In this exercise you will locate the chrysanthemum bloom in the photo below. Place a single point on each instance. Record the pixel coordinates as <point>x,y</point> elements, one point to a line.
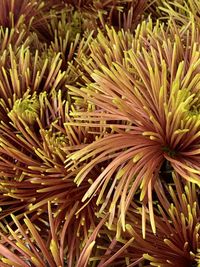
<point>33,150</point>
<point>35,143</point>
<point>22,102</point>
<point>34,140</point>
<point>38,75</point>
<point>39,20</point>
<point>35,174</point>
<point>177,240</point>
<point>33,167</point>
<point>43,241</point>
<point>150,107</point>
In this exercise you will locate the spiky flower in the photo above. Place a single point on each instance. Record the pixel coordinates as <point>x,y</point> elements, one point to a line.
<point>176,242</point>
<point>38,75</point>
<point>149,105</point>
<point>32,166</point>
<point>45,240</point>
<point>26,115</point>
<point>99,133</point>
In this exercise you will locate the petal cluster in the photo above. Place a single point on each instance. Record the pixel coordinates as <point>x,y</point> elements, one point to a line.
<point>99,133</point>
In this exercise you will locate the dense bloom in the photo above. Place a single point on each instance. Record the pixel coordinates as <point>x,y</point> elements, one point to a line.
<point>33,150</point>
<point>45,241</point>
<point>176,242</point>
<point>149,105</point>
<point>99,133</point>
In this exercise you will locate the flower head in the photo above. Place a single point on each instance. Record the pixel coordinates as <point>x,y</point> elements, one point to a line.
<point>45,240</point>
<point>176,242</point>
<point>149,101</point>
